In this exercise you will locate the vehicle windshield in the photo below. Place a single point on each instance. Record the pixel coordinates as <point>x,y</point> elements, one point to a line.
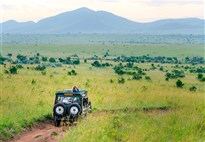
<point>67,100</point>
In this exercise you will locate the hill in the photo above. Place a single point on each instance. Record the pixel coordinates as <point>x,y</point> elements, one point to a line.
<point>84,20</point>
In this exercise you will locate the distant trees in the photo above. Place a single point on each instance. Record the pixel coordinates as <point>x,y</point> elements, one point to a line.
<point>2,59</point>
<point>12,70</point>
<point>98,64</point>
<point>160,59</point>
<point>40,68</point>
<point>52,60</point>
<point>175,74</point>
<point>44,59</point>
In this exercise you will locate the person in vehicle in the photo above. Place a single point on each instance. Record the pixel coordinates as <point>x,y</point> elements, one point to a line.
<point>75,89</point>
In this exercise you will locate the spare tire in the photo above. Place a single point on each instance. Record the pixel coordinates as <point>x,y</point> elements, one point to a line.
<point>59,110</point>
<point>74,109</point>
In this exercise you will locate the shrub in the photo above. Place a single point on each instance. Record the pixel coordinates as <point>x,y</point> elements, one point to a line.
<point>44,59</point>
<point>52,60</point>
<point>200,76</point>
<point>179,84</point>
<point>203,79</point>
<point>33,81</point>
<point>111,81</point>
<point>148,78</point>
<point>6,71</point>
<point>161,68</point>
<point>43,72</point>
<point>19,66</point>
<point>192,88</point>
<point>96,64</point>
<point>40,68</point>
<point>76,61</point>
<point>137,77</point>
<point>21,57</point>
<point>85,60</point>
<point>121,80</point>
<point>72,72</point>
<point>68,60</point>
<point>13,70</point>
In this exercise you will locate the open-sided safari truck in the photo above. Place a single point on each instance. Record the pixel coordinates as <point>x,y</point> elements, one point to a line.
<point>69,105</point>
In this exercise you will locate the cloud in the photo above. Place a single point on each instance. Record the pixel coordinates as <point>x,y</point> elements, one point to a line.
<point>166,2</point>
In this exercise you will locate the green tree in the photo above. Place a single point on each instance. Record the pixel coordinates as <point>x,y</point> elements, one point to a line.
<point>52,60</point>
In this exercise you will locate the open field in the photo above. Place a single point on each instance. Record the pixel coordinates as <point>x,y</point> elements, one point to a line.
<point>24,102</point>
<point>88,50</point>
<point>146,109</point>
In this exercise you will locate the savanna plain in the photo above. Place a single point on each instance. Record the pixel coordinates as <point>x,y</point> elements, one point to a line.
<point>149,91</point>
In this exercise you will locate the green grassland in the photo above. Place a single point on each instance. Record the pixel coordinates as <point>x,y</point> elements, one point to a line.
<point>29,96</point>
<point>88,50</point>
<point>137,110</point>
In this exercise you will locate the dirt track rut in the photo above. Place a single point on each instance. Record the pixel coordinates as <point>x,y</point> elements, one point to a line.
<point>42,132</point>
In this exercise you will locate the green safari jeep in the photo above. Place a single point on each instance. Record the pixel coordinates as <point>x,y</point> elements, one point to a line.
<point>69,105</point>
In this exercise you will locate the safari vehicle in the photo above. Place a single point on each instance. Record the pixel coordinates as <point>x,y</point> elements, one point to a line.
<point>69,105</point>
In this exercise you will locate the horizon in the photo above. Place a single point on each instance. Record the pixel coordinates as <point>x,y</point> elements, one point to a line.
<point>152,10</point>
<point>104,11</point>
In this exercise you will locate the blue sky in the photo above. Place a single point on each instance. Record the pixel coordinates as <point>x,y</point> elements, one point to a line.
<point>136,10</point>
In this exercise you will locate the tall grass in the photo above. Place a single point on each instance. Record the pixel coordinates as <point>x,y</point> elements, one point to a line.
<point>24,101</point>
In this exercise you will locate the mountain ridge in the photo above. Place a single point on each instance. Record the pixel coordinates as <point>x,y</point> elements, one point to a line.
<point>85,20</point>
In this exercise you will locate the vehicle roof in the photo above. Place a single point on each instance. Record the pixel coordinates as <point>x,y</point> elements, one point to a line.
<point>71,92</point>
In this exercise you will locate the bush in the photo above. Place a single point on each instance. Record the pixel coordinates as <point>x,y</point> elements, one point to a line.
<point>192,88</point>
<point>13,70</point>
<point>61,60</point>
<point>96,64</point>
<point>137,77</point>
<point>76,62</point>
<point>33,81</point>
<point>40,68</point>
<point>203,79</point>
<point>52,60</point>
<point>179,84</point>
<point>161,68</point>
<point>121,80</point>
<point>21,57</point>
<point>148,78</point>
<point>43,72</point>
<point>44,59</point>
<point>111,81</point>
<point>6,71</point>
<point>200,76</point>
<point>19,66</point>
<point>72,72</point>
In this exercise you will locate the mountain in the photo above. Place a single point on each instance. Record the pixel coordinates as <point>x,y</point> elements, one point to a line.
<point>84,20</point>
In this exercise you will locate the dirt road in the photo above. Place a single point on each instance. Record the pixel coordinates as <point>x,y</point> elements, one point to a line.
<point>42,132</point>
<point>47,132</point>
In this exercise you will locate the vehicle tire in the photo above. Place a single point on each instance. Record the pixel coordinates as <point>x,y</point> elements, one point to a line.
<point>74,109</point>
<point>59,110</point>
<point>57,123</point>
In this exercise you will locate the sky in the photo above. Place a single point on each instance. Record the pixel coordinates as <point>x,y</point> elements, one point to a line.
<point>135,10</point>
